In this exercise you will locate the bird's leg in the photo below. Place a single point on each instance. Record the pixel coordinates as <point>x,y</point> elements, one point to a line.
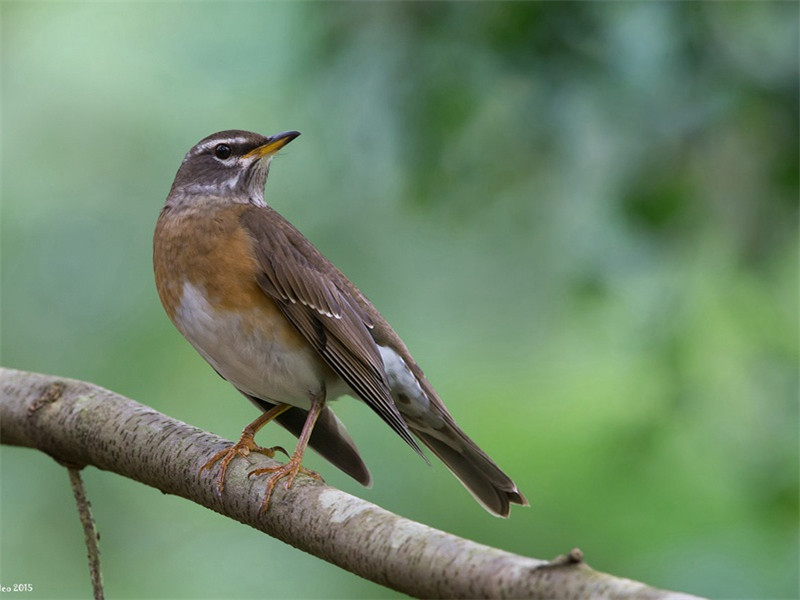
<point>290,470</point>
<point>246,444</point>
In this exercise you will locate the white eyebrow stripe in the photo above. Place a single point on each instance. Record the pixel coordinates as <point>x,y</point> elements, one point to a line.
<point>212,143</point>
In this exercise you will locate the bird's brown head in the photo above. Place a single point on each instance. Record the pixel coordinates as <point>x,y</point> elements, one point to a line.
<point>231,164</point>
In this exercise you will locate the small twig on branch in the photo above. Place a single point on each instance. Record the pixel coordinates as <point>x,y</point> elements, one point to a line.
<point>87,425</point>
<point>89,531</point>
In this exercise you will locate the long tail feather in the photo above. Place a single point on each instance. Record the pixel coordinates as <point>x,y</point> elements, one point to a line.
<point>492,488</point>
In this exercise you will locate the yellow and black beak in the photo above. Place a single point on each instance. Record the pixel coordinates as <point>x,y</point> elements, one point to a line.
<point>272,145</point>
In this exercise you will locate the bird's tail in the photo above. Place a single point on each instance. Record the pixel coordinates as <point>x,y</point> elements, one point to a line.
<point>429,420</point>
<point>488,484</point>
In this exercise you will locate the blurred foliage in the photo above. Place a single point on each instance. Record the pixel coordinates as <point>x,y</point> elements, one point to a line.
<point>581,217</point>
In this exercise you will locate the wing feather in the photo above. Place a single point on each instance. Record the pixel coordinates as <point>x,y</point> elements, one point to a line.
<point>317,300</point>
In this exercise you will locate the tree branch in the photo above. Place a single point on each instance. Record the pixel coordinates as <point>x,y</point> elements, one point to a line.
<point>90,534</point>
<point>81,424</point>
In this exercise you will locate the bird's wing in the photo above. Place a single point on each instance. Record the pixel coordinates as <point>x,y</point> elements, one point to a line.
<point>318,301</point>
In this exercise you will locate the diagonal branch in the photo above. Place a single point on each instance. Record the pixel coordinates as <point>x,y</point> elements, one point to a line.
<point>81,424</point>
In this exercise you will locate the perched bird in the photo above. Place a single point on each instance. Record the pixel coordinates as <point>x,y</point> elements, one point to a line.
<point>287,329</point>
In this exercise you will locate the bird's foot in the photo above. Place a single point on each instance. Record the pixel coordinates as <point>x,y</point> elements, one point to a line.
<point>288,471</point>
<point>243,447</point>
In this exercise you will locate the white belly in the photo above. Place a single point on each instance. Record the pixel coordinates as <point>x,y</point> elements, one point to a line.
<point>253,361</point>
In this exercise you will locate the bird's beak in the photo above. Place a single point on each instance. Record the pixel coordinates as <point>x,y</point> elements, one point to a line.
<point>274,143</point>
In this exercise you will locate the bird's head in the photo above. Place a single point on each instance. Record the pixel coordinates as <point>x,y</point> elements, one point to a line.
<point>232,164</point>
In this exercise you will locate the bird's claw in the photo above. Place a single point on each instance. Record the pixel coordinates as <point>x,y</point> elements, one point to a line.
<point>245,446</point>
<point>288,471</point>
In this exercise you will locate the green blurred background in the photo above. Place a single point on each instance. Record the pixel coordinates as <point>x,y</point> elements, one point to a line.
<point>582,218</point>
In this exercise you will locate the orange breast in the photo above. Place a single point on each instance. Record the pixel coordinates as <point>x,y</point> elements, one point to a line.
<point>209,249</point>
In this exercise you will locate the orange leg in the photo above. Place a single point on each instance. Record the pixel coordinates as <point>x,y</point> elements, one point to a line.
<point>246,444</point>
<point>290,470</point>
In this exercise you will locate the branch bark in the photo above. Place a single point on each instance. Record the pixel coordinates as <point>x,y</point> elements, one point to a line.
<point>80,424</point>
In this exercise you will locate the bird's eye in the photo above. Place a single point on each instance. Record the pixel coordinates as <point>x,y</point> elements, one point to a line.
<point>222,151</point>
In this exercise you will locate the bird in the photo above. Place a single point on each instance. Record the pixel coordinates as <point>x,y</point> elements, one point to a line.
<point>283,325</point>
